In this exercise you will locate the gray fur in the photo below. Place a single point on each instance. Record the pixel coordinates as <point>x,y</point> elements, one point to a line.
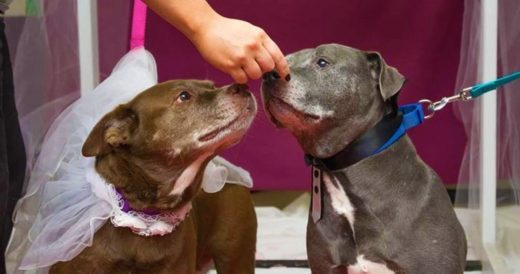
<point>403,215</point>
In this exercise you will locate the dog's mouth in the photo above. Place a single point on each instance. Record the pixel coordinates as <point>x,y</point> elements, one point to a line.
<point>214,133</point>
<point>280,107</point>
<point>236,125</point>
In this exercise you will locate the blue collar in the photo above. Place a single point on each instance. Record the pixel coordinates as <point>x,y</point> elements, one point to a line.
<point>380,137</point>
<point>413,116</point>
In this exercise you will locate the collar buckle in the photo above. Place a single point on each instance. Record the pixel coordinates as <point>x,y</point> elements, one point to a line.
<point>313,161</point>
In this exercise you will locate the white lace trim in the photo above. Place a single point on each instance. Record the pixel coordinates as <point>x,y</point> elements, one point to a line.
<point>217,173</point>
<point>144,224</point>
<point>140,223</point>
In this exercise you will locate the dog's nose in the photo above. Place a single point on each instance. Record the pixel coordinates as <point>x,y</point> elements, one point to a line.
<point>271,76</point>
<point>238,88</point>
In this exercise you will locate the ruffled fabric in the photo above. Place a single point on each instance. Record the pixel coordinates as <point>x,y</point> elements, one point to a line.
<point>140,223</point>
<point>62,210</point>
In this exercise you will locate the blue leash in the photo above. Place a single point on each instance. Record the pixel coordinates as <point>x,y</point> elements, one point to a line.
<point>413,114</point>
<point>479,89</point>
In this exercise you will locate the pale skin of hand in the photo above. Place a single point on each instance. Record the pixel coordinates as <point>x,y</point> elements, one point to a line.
<point>236,47</point>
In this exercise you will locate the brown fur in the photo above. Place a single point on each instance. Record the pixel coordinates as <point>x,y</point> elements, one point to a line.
<point>142,148</point>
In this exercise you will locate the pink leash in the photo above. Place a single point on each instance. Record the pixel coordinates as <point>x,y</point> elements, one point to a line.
<point>137,33</point>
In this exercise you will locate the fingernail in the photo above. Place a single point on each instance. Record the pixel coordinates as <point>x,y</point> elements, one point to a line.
<point>288,78</point>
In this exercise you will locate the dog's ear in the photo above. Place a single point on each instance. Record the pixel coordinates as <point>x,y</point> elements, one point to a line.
<point>390,81</point>
<point>112,131</point>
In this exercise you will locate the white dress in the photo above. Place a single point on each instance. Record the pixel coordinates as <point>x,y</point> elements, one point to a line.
<point>61,211</point>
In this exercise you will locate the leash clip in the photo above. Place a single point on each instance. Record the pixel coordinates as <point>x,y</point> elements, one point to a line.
<point>432,107</point>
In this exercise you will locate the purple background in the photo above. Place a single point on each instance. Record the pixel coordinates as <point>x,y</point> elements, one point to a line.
<point>420,38</point>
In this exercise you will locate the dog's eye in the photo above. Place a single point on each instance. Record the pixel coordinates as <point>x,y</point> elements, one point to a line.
<point>322,63</point>
<point>183,97</point>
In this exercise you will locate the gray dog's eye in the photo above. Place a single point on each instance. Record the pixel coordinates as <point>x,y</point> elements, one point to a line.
<point>322,63</point>
<point>184,96</point>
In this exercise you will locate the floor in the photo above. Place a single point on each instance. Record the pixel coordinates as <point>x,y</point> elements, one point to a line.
<point>282,220</point>
<point>281,270</point>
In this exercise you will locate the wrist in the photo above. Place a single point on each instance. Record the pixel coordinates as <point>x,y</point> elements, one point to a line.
<point>197,26</point>
<point>191,17</point>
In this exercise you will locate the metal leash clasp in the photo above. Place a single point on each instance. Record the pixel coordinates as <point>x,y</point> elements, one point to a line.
<point>432,107</point>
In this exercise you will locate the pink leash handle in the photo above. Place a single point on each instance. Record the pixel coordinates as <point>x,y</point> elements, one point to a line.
<point>137,32</point>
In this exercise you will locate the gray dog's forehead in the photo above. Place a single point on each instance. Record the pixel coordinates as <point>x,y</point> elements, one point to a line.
<point>327,50</point>
<point>335,49</point>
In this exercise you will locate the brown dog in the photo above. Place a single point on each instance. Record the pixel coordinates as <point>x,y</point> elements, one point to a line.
<point>154,149</point>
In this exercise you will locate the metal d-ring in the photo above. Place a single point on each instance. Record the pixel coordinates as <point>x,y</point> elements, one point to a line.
<point>429,107</point>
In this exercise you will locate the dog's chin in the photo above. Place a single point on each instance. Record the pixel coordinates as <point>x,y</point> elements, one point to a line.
<point>272,118</point>
<point>283,114</point>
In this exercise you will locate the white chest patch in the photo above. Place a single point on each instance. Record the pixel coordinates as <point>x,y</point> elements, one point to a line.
<point>188,175</point>
<point>340,201</point>
<point>364,266</point>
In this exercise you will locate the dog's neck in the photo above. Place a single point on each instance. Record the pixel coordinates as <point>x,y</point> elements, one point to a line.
<point>369,176</point>
<point>335,140</point>
<point>336,137</point>
<point>143,190</point>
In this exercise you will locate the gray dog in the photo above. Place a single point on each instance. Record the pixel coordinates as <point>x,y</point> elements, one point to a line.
<point>386,213</point>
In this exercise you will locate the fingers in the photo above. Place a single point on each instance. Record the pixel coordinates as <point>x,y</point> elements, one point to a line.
<point>254,58</point>
<point>252,69</point>
<point>277,57</point>
<point>239,75</point>
<point>264,60</point>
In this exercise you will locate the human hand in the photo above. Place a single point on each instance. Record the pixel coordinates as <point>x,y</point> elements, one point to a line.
<point>239,49</point>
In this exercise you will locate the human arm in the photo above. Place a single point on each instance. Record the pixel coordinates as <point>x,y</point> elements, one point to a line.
<point>235,47</point>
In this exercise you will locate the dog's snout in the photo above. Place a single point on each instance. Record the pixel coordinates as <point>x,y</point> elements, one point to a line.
<point>271,76</point>
<point>238,88</point>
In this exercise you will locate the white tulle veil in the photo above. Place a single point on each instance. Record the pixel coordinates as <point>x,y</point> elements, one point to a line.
<point>59,214</point>
<point>507,247</point>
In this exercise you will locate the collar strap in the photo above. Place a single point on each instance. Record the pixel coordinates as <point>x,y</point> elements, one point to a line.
<point>147,222</point>
<point>378,138</point>
<point>126,207</point>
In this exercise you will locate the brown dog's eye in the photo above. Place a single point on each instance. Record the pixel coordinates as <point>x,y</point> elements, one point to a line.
<point>183,97</point>
<point>322,63</point>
